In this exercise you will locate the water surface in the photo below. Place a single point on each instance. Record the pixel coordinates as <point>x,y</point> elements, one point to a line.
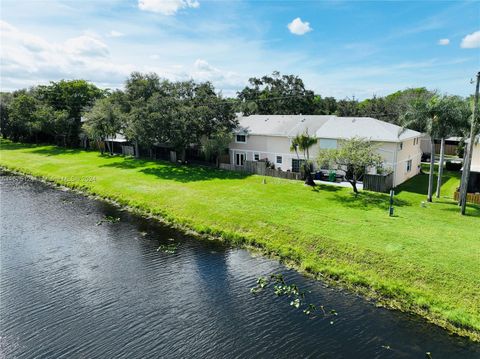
<point>70,288</point>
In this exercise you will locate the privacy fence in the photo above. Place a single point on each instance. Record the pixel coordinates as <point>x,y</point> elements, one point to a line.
<point>378,183</point>
<point>259,168</point>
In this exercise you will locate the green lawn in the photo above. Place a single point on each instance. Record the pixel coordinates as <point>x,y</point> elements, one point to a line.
<point>425,259</point>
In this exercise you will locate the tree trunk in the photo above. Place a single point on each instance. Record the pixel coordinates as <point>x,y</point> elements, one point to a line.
<point>432,168</point>
<point>108,146</point>
<point>440,166</point>
<point>182,155</point>
<point>137,154</point>
<point>354,185</point>
<point>217,161</point>
<point>463,180</point>
<point>309,180</point>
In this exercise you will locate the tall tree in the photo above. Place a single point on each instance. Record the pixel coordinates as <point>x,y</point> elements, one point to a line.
<point>355,155</point>
<point>178,114</point>
<point>453,114</point>
<point>433,116</point>
<point>72,96</point>
<point>104,122</point>
<point>304,142</point>
<point>347,108</point>
<point>216,145</point>
<point>22,122</point>
<point>6,99</point>
<point>474,130</point>
<point>276,95</point>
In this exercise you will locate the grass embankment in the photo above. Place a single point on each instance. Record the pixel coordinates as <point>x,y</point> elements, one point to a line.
<point>426,259</point>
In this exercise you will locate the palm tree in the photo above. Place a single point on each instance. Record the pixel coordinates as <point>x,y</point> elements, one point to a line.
<point>453,115</point>
<point>423,115</point>
<point>294,146</point>
<point>304,142</point>
<point>439,117</point>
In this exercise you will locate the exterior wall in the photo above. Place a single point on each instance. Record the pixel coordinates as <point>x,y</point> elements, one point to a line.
<point>269,147</point>
<point>426,144</point>
<point>409,151</point>
<point>476,158</point>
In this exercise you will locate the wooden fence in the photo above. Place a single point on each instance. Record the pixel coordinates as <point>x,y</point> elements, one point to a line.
<point>449,149</point>
<point>259,168</point>
<point>471,197</point>
<point>378,183</point>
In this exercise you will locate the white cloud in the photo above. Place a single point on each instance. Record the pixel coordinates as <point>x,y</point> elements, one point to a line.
<point>443,42</point>
<point>298,27</point>
<point>114,33</point>
<point>203,71</point>
<point>166,7</point>
<point>86,45</point>
<point>471,41</point>
<point>28,59</point>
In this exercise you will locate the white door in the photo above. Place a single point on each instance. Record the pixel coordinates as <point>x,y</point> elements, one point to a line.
<point>239,159</point>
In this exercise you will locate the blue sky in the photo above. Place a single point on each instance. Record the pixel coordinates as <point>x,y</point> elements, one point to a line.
<point>339,48</point>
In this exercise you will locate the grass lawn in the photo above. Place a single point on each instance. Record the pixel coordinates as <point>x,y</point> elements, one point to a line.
<point>425,259</point>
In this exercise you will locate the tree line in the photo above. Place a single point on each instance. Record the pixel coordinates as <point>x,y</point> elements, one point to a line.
<point>150,110</point>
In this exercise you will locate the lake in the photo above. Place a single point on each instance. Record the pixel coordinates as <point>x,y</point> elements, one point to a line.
<point>78,283</point>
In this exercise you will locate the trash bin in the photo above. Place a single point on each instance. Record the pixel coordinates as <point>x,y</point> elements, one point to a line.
<point>331,176</point>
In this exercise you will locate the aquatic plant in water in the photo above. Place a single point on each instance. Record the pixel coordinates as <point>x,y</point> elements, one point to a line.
<point>167,248</point>
<point>281,288</point>
<point>109,219</point>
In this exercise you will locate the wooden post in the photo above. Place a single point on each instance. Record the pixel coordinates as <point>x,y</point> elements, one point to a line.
<point>390,211</point>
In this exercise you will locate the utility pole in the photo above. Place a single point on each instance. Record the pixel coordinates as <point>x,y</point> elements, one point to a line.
<point>468,158</point>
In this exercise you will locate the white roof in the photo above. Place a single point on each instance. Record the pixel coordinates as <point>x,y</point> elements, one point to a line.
<point>365,127</point>
<point>324,127</point>
<point>281,125</point>
<point>118,138</point>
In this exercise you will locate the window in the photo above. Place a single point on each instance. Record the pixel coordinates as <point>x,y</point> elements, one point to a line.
<point>279,160</point>
<point>241,138</point>
<point>239,159</point>
<point>326,143</point>
<point>401,145</point>
<point>256,156</point>
<point>409,165</point>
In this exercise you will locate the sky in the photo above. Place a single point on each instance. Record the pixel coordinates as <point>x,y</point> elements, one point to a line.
<point>339,48</point>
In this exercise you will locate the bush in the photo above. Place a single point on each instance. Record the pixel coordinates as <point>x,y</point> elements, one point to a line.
<point>453,166</point>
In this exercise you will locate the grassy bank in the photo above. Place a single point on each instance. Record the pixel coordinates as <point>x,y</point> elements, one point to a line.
<point>426,259</point>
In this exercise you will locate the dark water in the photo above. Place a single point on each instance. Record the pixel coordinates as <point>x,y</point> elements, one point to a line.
<point>72,289</point>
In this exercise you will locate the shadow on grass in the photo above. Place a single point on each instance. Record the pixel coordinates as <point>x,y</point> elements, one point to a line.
<point>173,172</point>
<point>472,210</point>
<point>419,183</point>
<point>130,163</point>
<point>55,151</point>
<point>6,145</point>
<point>367,200</point>
<point>326,188</point>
